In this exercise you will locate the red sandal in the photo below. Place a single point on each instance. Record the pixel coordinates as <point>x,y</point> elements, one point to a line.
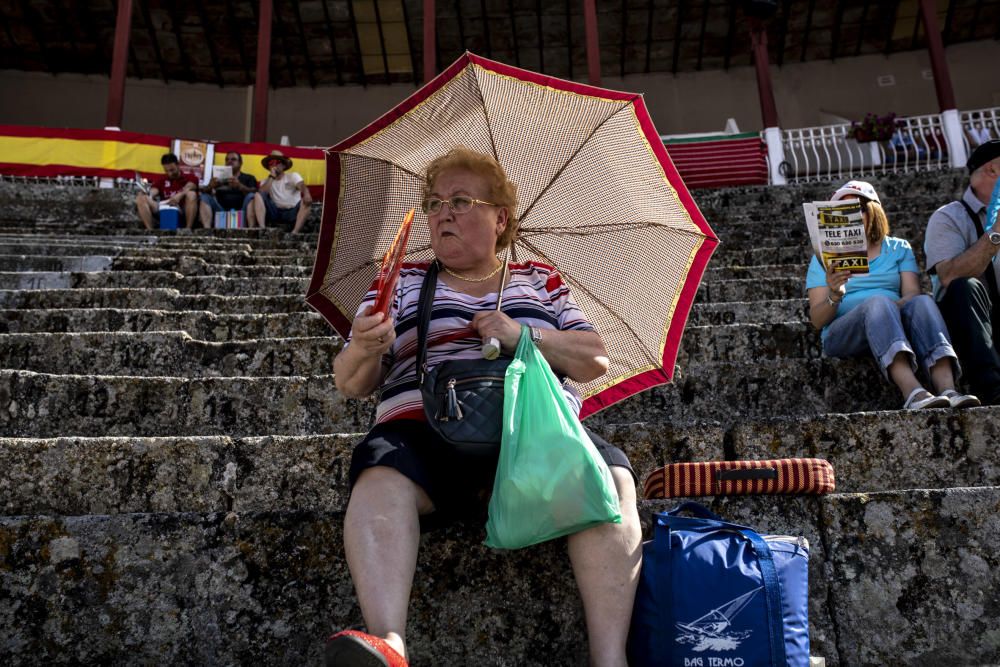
<point>352,648</point>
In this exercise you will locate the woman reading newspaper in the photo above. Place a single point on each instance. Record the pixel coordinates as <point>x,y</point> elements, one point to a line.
<point>883,312</point>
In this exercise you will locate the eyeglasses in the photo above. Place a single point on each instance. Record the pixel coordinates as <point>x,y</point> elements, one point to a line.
<point>458,204</point>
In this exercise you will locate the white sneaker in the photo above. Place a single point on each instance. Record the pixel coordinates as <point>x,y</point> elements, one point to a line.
<point>926,400</point>
<point>957,400</point>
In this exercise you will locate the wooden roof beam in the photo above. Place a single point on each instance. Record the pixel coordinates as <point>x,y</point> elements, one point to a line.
<point>333,43</point>
<point>236,35</point>
<point>808,28</point>
<point>310,70</point>
<point>890,25</point>
<point>861,27</point>
<point>175,20</point>
<point>728,53</point>
<point>701,38</point>
<point>33,20</point>
<point>381,40</point>
<point>837,20</point>
<point>649,35</point>
<point>786,12</point>
<point>357,44</point>
<point>677,36</point>
<point>209,39</point>
<point>513,33</point>
<point>148,20</point>
<point>409,41</point>
<point>541,46</point>
<point>285,48</point>
<point>486,29</point>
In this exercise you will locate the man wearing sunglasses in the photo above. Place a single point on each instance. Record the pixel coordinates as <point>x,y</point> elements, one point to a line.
<point>283,196</point>
<point>235,194</point>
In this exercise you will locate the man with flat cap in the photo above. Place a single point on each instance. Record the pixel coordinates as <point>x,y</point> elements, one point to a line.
<point>962,257</point>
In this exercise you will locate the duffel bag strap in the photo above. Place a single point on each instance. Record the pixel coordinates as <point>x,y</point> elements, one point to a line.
<point>772,596</point>
<point>769,577</point>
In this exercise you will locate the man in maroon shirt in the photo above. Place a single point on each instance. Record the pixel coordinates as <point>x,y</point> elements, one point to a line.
<point>175,188</point>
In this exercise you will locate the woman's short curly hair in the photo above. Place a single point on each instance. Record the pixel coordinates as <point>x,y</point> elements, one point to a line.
<point>500,190</point>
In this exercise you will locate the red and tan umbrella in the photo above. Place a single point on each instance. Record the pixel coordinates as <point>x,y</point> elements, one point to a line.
<point>598,198</point>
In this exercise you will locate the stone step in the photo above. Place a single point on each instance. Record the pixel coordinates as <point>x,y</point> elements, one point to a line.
<point>166,353</point>
<point>201,324</point>
<point>46,405</point>
<point>151,298</point>
<point>49,405</point>
<point>749,312</point>
<point>112,475</point>
<point>77,263</point>
<point>227,254</point>
<point>732,392</point>
<point>196,266</point>
<point>748,343</point>
<point>212,588</point>
<point>752,289</point>
<point>155,279</point>
<point>217,239</point>
<point>747,289</point>
<point>716,274</point>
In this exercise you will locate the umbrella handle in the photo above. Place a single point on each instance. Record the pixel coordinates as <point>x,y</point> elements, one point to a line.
<point>491,348</point>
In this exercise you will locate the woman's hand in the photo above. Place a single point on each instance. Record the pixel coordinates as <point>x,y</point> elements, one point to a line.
<point>837,282</point>
<point>494,323</point>
<point>373,333</point>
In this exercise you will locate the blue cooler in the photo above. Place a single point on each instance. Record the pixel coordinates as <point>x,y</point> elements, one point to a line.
<point>170,216</point>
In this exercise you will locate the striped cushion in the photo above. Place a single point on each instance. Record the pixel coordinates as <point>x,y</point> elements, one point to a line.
<point>734,478</point>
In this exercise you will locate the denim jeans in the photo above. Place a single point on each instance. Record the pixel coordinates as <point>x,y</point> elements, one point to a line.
<point>216,207</point>
<point>881,327</point>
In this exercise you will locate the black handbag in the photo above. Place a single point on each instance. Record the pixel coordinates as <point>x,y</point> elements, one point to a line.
<point>463,398</point>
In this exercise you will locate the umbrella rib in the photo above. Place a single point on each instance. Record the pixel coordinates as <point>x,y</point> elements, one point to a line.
<point>578,285</point>
<point>486,113</point>
<point>585,230</point>
<point>383,160</point>
<point>565,164</point>
<point>350,272</point>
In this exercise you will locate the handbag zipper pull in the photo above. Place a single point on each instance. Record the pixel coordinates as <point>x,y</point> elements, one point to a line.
<point>454,409</point>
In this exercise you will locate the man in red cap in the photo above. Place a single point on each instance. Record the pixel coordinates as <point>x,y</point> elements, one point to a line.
<point>283,196</point>
<point>962,249</point>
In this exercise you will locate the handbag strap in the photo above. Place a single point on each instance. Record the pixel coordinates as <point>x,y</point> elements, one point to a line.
<point>768,572</point>
<point>991,276</point>
<point>426,306</point>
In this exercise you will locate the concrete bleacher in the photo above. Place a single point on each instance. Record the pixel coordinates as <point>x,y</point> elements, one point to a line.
<point>173,455</point>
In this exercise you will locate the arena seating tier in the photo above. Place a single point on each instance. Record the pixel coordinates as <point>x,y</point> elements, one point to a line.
<point>173,454</point>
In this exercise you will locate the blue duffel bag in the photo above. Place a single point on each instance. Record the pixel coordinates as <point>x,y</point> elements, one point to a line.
<point>716,594</point>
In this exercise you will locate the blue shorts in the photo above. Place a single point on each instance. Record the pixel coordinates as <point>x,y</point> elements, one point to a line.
<point>275,214</point>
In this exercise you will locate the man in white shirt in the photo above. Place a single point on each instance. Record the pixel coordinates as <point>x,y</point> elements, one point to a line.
<point>283,196</point>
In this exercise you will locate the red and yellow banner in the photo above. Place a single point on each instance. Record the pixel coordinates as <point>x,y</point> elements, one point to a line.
<point>44,151</point>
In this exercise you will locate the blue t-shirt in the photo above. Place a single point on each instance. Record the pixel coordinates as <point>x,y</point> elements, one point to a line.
<point>883,278</point>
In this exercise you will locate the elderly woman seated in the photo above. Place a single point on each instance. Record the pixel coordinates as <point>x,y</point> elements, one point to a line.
<point>404,477</point>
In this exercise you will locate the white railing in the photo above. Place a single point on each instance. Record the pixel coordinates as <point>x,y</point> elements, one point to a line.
<point>830,152</point>
<point>979,126</point>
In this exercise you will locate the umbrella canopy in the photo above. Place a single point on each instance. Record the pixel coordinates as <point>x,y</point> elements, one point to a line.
<point>598,198</point>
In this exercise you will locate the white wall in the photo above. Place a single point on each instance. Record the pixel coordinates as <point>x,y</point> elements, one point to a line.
<point>687,102</point>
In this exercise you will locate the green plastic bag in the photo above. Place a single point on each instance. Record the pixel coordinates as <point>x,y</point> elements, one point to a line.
<point>551,480</point>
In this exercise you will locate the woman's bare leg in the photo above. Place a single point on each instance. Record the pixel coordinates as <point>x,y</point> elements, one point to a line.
<point>606,561</point>
<point>381,537</point>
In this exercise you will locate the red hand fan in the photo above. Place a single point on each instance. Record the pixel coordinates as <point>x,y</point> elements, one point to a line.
<point>391,264</point>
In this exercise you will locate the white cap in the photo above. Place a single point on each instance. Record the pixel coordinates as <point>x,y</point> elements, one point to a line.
<point>857,188</point>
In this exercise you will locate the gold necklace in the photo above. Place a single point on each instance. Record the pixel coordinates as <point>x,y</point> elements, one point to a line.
<point>473,280</point>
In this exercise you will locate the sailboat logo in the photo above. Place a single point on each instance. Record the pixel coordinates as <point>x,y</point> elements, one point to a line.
<point>713,630</point>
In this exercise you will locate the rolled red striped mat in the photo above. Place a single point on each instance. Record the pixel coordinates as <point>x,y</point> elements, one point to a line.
<point>735,478</point>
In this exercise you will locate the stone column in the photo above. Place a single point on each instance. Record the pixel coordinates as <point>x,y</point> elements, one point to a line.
<point>119,65</point>
<point>768,109</point>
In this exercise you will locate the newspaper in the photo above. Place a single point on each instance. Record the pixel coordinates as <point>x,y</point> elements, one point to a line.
<point>222,173</point>
<point>837,232</point>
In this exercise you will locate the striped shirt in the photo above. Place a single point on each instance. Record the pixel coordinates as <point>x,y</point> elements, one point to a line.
<point>535,295</point>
